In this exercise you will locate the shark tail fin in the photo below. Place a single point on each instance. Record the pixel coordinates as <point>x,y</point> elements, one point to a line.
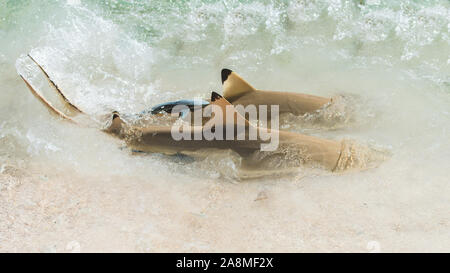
<point>233,85</point>
<point>66,101</point>
<point>45,102</point>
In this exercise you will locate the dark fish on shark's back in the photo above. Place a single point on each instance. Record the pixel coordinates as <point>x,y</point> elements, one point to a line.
<point>168,107</point>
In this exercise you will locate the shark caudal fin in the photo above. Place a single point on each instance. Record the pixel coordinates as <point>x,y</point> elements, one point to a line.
<point>67,103</point>
<point>233,85</point>
<point>66,110</point>
<point>45,102</point>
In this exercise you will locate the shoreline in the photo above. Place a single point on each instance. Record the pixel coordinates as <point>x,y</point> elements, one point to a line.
<point>69,212</point>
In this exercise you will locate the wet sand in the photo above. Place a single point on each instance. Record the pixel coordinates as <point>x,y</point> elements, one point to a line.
<point>64,211</point>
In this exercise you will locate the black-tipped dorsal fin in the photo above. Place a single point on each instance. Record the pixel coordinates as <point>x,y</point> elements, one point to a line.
<point>223,103</point>
<point>116,124</point>
<point>215,96</point>
<point>233,85</point>
<point>225,73</point>
<point>115,115</point>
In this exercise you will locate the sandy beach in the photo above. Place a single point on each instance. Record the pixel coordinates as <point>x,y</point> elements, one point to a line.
<point>66,188</point>
<point>63,211</point>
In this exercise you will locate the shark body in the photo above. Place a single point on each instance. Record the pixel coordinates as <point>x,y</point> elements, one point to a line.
<point>301,148</point>
<point>239,92</point>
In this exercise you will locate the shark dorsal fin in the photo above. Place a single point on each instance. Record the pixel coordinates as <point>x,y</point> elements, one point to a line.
<point>115,125</point>
<point>215,96</point>
<point>224,104</point>
<point>233,85</point>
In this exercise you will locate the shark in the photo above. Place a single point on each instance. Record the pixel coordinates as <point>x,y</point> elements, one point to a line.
<point>298,149</point>
<point>239,92</point>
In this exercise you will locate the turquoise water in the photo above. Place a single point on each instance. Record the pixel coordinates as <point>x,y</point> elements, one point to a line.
<point>130,55</point>
<point>390,58</point>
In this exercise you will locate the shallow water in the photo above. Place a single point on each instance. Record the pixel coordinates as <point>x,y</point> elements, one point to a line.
<point>390,60</point>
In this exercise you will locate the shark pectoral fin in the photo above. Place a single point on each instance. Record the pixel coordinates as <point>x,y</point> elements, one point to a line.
<point>234,86</point>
